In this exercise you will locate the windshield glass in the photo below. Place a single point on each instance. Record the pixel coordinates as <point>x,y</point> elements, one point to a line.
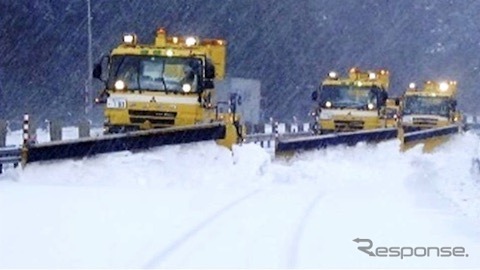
<point>426,105</point>
<point>345,96</point>
<point>155,73</point>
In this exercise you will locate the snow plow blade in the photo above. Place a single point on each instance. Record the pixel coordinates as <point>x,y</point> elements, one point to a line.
<point>137,140</point>
<point>430,138</point>
<point>289,146</point>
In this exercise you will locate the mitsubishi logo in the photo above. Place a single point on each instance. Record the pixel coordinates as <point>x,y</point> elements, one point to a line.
<point>153,99</point>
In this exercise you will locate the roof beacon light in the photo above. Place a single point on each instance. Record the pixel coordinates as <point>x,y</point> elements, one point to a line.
<point>333,75</point>
<point>129,39</point>
<point>412,85</point>
<point>443,86</point>
<point>190,41</point>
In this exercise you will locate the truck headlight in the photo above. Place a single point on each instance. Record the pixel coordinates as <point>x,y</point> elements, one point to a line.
<point>370,106</point>
<point>186,87</point>
<point>116,103</point>
<point>119,85</point>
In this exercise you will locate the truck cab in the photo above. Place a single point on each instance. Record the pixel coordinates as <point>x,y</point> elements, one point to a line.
<point>433,106</point>
<point>167,83</point>
<point>355,102</point>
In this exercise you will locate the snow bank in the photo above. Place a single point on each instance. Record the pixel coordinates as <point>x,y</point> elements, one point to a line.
<point>201,205</point>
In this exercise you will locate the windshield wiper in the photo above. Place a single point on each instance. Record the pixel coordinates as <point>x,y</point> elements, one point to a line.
<point>163,79</point>
<point>138,77</point>
<point>164,84</point>
<point>119,65</point>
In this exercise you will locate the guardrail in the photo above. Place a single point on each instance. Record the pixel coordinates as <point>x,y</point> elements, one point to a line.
<point>267,134</point>
<point>10,155</point>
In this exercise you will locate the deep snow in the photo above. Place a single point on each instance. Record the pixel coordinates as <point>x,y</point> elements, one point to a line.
<point>200,205</point>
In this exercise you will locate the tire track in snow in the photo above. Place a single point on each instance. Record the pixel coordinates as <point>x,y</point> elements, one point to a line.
<point>292,254</point>
<point>162,255</point>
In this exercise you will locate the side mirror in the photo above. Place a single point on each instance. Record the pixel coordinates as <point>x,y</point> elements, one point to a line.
<point>208,84</point>
<point>98,68</point>
<point>314,95</point>
<point>235,99</point>
<point>97,71</point>
<point>102,98</point>
<point>383,98</point>
<point>454,103</point>
<point>209,70</point>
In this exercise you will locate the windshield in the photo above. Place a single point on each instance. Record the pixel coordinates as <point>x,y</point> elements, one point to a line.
<point>427,105</point>
<point>155,73</point>
<point>345,96</point>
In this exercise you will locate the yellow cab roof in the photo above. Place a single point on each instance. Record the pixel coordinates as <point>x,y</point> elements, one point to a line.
<point>434,89</point>
<point>176,46</point>
<point>359,78</point>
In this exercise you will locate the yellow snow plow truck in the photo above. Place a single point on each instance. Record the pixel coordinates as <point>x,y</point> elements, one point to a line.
<point>348,111</point>
<point>167,84</point>
<point>429,115</point>
<point>352,103</point>
<point>155,94</point>
<point>433,106</point>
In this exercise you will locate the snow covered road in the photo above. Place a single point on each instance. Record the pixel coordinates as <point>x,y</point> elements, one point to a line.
<point>198,206</point>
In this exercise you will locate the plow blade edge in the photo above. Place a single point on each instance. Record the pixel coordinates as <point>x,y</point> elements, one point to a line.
<point>121,142</point>
<point>431,138</point>
<point>324,141</point>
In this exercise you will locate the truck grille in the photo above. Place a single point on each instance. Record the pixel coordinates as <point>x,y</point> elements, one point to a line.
<point>421,121</point>
<point>348,125</point>
<point>158,118</point>
<point>152,113</point>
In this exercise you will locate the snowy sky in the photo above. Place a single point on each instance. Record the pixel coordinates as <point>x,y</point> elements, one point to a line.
<point>290,46</point>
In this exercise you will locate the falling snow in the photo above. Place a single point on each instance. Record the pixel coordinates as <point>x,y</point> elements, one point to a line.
<point>288,45</point>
